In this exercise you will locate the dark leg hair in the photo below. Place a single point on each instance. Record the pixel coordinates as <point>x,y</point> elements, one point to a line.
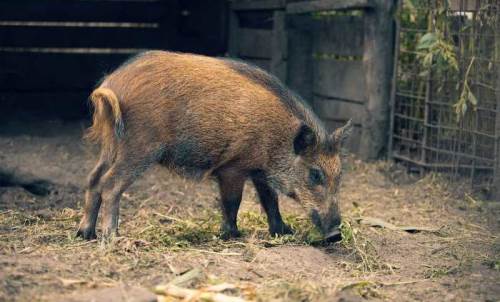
<point>269,201</point>
<point>231,189</point>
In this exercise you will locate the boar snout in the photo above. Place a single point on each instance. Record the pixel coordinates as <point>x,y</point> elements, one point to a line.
<point>327,222</point>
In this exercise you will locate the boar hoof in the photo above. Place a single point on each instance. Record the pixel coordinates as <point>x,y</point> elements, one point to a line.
<point>229,233</point>
<point>281,230</point>
<point>86,233</point>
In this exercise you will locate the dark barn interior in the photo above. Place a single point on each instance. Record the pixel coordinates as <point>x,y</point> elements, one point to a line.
<point>52,53</point>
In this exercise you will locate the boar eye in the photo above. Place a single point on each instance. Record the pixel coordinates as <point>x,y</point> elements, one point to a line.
<point>316,177</point>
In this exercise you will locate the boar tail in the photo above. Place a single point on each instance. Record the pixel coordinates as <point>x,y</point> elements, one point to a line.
<point>107,122</point>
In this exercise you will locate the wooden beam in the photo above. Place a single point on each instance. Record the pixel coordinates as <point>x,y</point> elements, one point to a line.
<point>234,34</point>
<point>279,45</point>
<point>331,37</point>
<point>392,101</point>
<point>340,80</point>
<point>496,174</point>
<point>299,57</point>
<point>255,43</point>
<point>377,61</point>
<point>258,4</point>
<point>325,5</point>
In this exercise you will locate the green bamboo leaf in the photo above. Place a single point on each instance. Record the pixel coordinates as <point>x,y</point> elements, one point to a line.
<point>472,99</point>
<point>427,61</point>
<point>427,41</point>
<point>409,4</point>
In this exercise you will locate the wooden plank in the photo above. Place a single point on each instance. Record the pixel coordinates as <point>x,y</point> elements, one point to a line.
<point>255,43</point>
<point>377,62</point>
<point>202,26</point>
<point>258,4</point>
<point>340,79</point>
<point>233,35</point>
<point>279,46</point>
<point>325,5</point>
<point>299,66</point>
<point>258,19</point>
<point>54,71</point>
<point>71,10</point>
<point>303,23</point>
<point>341,35</point>
<point>496,171</point>
<point>338,110</point>
<point>105,37</point>
<point>394,80</point>
<point>352,143</point>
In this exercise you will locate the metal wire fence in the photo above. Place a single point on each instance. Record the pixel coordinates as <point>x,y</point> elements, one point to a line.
<point>446,108</point>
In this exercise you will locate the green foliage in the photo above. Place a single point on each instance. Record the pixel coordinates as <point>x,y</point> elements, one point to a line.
<point>466,96</point>
<point>436,54</point>
<point>430,44</point>
<point>335,13</point>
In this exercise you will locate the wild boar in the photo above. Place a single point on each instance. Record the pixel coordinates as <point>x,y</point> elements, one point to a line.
<point>202,116</point>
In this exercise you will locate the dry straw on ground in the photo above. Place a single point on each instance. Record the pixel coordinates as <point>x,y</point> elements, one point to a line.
<point>170,226</point>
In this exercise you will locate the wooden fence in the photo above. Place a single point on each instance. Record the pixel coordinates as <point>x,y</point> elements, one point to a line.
<point>339,89</point>
<point>257,34</point>
<point>331,53</point>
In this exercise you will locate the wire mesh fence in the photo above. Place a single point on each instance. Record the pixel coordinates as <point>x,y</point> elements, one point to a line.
<point>446,110</point>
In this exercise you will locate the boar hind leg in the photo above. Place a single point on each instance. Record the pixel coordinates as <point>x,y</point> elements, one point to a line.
<point>231,189</point>
<point>86,228</point>
<point>269,201</point>
<point>116,180</point>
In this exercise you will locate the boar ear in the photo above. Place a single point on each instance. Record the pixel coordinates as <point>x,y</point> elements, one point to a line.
<point>304,140</point>
<point>341,134</point>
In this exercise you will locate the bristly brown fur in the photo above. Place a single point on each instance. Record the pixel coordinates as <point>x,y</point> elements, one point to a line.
<point>203,116</point>
<point>292,101</point>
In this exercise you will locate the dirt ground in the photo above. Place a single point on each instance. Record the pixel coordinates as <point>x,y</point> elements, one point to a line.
<point>169,226</point>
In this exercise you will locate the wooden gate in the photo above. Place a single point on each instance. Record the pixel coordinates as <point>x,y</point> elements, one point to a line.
<point>257,34</point>
<point>337,54</point>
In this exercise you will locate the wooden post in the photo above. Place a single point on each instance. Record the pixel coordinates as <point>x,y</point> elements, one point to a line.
<point>234,28</point>
<point>300,63</point>
<point>279,45</point>
<point>496,172</point>
<point>394,81</point>
<point>377,62</point>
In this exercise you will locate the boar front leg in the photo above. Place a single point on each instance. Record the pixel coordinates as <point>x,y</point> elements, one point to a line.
<point>86,229</point>
<point>231,185</point>
<point>269,201</point>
